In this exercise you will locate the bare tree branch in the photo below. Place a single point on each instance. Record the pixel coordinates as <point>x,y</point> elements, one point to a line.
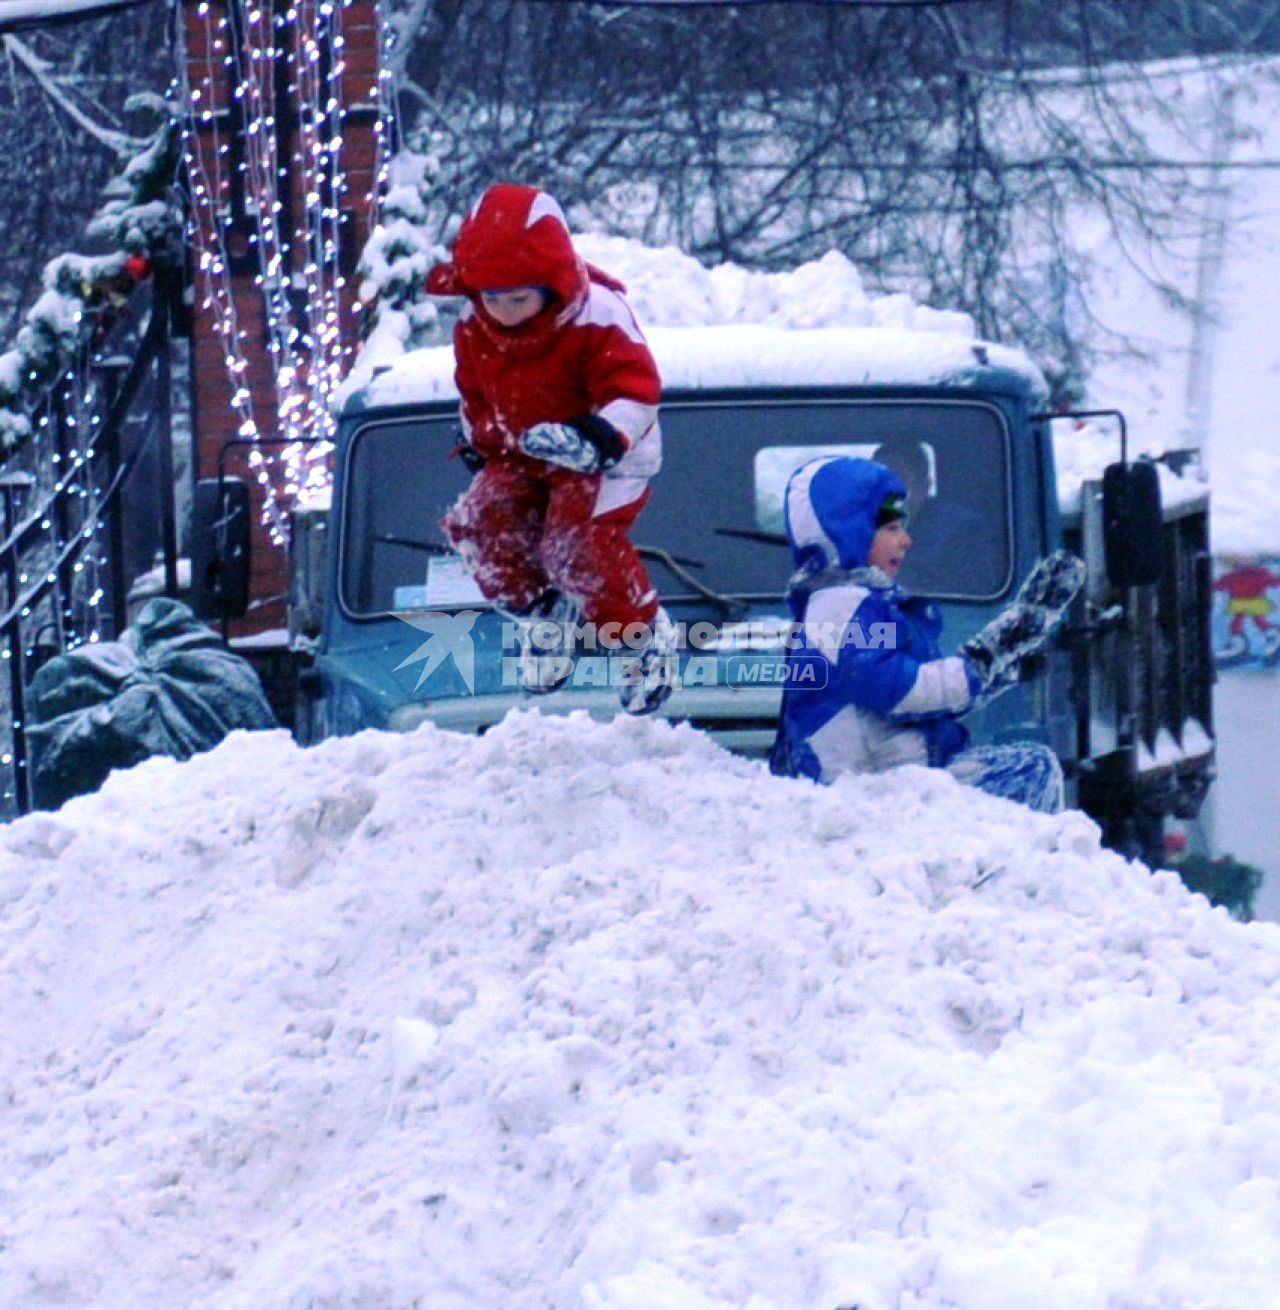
<point>948,151</point>
<point>117,142</point>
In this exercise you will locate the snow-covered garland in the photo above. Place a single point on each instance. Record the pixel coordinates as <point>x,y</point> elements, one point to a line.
<point>396,259</point>
<point>142,224</point>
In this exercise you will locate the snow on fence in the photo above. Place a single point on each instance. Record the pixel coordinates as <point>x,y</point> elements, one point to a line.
<point>67,552</point>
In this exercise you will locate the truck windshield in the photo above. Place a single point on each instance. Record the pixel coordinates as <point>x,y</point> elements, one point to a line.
<point>714,525</point>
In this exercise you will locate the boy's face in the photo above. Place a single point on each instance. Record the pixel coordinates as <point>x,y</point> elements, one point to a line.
<point>513,306</point>
<point>889,548</point>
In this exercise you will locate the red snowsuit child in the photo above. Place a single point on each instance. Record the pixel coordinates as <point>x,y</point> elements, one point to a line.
<point>533,521</point>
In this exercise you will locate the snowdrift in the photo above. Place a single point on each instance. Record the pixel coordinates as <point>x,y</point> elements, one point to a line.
<point>598,1017</point>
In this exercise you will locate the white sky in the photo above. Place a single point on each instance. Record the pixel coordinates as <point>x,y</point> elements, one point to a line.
<point>1232,409</point>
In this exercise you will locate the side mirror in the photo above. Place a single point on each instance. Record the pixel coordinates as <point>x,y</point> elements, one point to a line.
<point>1132,524</point>
<point>220,548</point>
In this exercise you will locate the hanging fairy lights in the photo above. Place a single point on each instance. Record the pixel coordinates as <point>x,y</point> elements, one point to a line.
<point>68,565</point>
<point>316,67</point>
<point>263,86</point>
<point>206,152</point>
<point>67,432</point>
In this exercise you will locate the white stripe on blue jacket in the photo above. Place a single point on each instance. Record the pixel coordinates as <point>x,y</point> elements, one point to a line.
<point>878,693</point>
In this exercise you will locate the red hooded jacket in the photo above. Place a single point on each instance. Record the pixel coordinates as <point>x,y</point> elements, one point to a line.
<point>583,354</point>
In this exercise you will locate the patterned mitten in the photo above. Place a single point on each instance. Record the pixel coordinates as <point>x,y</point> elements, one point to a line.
<point>996,652</point>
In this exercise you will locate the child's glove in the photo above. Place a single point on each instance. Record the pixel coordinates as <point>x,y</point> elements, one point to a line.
<point>587,445</point>
<point>996,652</point>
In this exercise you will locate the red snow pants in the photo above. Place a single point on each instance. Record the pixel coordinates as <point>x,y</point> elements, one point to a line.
<point>525,525</point>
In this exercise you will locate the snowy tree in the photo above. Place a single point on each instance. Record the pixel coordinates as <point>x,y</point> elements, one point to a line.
<point>948,149</point>
<point>140,225</point>
<point>398,256</point>
<point>64,131</point>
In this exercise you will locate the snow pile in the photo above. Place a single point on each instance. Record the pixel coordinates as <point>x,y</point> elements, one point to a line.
<point>726,326</point>
<point>1082,449</point>
<point>598,1017</point>
<point>737,355</point>
<point>668,288</point>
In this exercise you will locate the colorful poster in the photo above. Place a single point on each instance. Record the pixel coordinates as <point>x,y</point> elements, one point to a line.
<point>1246,611</point>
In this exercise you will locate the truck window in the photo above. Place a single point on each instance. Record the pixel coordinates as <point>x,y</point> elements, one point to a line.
<point>716,512</point>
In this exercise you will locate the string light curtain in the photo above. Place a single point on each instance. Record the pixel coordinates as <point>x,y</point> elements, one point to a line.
<point>262,81</point>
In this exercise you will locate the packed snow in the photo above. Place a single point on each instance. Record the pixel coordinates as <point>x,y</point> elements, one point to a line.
<point>599,1017</point>
<point>814,325</point>
<point>730,326</point>
<point>741,355</point>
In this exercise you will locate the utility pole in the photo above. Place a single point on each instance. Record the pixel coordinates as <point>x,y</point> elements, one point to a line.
<point>1207,311</point>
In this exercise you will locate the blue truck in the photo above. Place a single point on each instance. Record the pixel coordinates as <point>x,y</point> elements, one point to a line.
<point>388,631</point>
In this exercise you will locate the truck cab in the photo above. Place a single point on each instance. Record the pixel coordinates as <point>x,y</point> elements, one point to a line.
<point>398,634</point>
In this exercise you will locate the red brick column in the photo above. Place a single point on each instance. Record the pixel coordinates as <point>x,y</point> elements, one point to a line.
<point>359,156</point>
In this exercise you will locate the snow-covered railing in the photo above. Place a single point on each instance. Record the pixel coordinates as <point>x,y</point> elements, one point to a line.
<point>64,548</point>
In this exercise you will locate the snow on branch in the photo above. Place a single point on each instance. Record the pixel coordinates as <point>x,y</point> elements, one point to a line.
<point>142,224</point>
<point>395,261</point>
<point>118,142</point>
<point>37,13</point>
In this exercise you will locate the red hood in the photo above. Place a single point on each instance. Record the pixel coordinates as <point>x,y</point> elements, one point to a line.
<point>515,236</point>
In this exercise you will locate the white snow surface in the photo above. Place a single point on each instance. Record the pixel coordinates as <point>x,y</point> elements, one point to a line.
<point>736,355</point>
<point>669,288</point>
<point>730,327</point>
<point>598,1017</point>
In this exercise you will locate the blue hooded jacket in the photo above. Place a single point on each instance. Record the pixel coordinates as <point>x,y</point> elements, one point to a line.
<point>868,687</point>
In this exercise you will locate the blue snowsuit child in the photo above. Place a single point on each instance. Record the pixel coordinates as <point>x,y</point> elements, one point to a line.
<point>877,691</point>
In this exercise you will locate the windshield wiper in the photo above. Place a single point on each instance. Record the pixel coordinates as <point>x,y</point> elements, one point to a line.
<point>751,534</point>
<point>427,547</point>
<point>677,566</point>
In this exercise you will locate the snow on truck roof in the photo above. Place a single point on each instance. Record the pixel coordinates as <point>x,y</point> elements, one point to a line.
<point>743,355</point>
<point>728,326</point>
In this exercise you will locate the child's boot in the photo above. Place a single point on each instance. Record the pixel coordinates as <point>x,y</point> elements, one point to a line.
<point>548,643</point>
<point>647,676</point>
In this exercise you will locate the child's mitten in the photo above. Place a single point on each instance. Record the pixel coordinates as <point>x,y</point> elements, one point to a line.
<point>997,650</point>
<point>587,445</point>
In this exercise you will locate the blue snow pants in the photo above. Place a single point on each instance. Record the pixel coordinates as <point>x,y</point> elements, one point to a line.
<point>1028,772</point>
